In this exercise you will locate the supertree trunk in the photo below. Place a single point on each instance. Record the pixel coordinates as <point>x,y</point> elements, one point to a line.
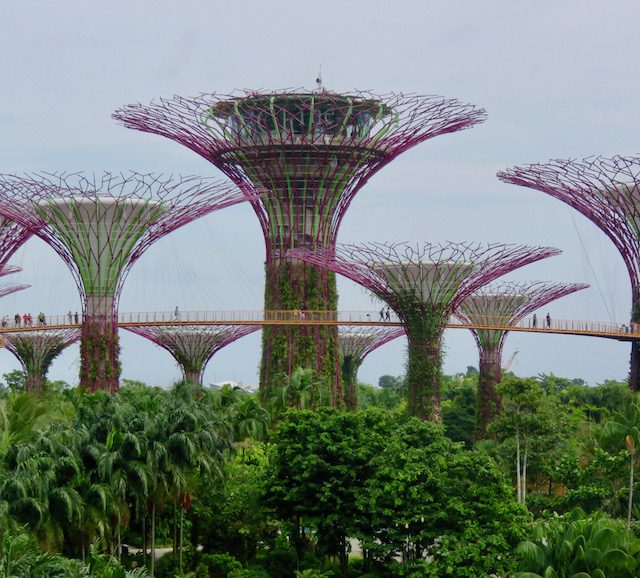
<point>192,376</point>
<point>298,286</point>
<point>424,363</point>
<point>350,382</point>
<point>489,402</point>
<point>100,346</point>
<point>34,382</point>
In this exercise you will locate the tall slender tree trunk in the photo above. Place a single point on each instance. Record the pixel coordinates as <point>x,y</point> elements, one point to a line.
<point>153,538</point>
<point>144,538</point>
<point>630,506</point>
<point>524,471</point>
<point>634,364</point>
<point>518,483</point>
<point>180,535</point>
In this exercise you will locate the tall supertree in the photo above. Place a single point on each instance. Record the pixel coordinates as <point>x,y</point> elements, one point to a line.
<point>504,303</point>
<point>312,151</point>
<point>607,192</point>
<point>355,344</point>
<point>36,350</point>
<point>100,224</point>
<point>424,284</point>
<point>192,346</point>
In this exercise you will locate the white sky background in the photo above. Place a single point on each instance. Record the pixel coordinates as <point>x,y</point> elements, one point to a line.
<point>558,79</point>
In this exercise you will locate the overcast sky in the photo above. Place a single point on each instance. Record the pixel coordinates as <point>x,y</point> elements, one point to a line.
<point>558,79</point>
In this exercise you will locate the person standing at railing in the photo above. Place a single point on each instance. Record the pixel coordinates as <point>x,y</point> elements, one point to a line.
<point>17,319</point>
<point>76,318</point>
<point>70,317</point>
<point>548,318</point>
<point>176,314</point>
<point>534,321</point>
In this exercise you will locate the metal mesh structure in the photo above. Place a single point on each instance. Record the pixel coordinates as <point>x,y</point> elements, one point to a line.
<point>503,303</point>
<point>100,224</point>
<point>192,346</point>
<point>8,288</point>
<point>424,284</point>
<point>36,350</point>
<point>12,237</point>
<point>313,151</point>
<point>355,345</point>
<point>606,191</point>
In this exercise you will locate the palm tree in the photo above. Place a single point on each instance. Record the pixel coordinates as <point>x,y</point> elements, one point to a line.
<point>623,428</point>
<point>301,390</point>
<point>250,419</point>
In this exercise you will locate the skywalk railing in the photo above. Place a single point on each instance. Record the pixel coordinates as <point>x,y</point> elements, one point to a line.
<point>298,317</point>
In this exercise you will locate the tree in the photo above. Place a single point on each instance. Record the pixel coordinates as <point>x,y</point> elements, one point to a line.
<point>624,428</point>
<point>527,414</point>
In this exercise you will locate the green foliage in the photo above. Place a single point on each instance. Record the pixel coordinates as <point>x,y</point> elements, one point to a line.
<point>578,545</point>
<point>219,565</point>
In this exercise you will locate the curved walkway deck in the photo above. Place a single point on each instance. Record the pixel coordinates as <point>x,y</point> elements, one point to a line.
<point>618,331</point>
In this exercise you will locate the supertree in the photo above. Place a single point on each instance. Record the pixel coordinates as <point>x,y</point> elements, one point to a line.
<point>36,350</point>
<point>355,344</point>
<point>100,224</point>
<point>503,303</point>
<point>192,346</point>
<point>424,284</point>
<point>312,151</point>
<point>606,191</point>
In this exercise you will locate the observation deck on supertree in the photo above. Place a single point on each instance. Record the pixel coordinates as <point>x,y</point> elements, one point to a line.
<point>424,284</point>
<point>193,346</point>
<point>606,191</point>
<point>355,344</point>
<point>36,350</point>
<point>312,151</point>
<point>506,303</point>
<point>100,224</point>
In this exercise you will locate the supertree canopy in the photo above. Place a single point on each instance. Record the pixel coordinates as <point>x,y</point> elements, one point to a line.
<point>36,350</point>
<point>355,344</point>
<point>503,304</point>
<point>606,191</point>
<point>312,151</point>
<point>100,224</point>
<point>424,284</point>
<point>192,346</point>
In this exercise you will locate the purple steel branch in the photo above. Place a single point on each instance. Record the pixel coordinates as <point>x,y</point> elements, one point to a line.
<point>243,133</point>
<point>358,343</point>
<point>605,190</point>
<point>36,350</point>
<point>182,198</point>
<point>367,264</point>
<point>193,346</point>
<point>12,237</point>
<point>506,303</point>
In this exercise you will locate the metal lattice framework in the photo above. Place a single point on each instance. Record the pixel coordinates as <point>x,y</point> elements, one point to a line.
<point>424,284</point>
<point>606,191</point>
<point>12,237</point>
<point>100,224</point>
<point>504,303</point>
<point>36,350</point>
<point>8,288</point>
<point>193,346</point>
<point>355,345</point>
<point>312,151</point>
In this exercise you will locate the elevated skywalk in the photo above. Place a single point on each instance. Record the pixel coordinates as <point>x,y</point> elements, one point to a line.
<point>618,331</point>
